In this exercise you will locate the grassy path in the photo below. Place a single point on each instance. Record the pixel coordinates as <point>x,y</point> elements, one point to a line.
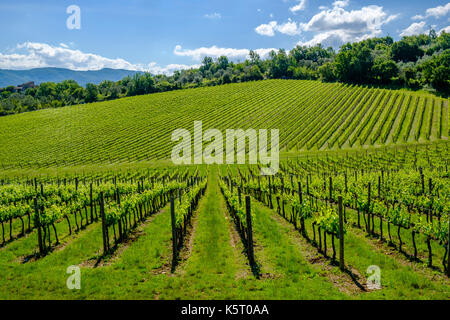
<point>214,265</point>
<point>293,277</point>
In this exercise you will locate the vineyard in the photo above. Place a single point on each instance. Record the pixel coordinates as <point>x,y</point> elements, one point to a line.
<point>310,116</point>
<point>363,189</point>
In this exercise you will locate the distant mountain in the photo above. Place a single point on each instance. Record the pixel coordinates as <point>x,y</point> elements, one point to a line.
<point>39,75</point>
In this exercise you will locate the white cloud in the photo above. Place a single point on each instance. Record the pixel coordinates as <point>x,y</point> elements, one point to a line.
<point>337,26</point>
<point>30,55</point>
<point>334,38</point>
<point>299,7</point>
<point>215,52</point>
<point>341,3</point>
<point>436,12</point>
<point>154,68</point>
<point>19,61</point>
<point>439,11</point>
<point>38,55</point>
<point>266,29</point>
<point>366,20</point>
<point>446,29</point>
<point>414,29</point>
<point>289,28</point>
<point>213,16</point>
<point>336,4</point>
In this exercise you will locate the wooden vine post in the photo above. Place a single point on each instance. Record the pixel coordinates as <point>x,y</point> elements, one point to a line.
<point>174,233</point>
<point>91,204</point>
<point>341,235</point>
<point>38,226</point>
<point>102,213</point>
<point>331,189</point>
<point>270,195</point>
<point>302,219</point>
<point>368,207</point>
<point>448,249</point>
<point>251,256</point>
<point>379,186</point>
<point>307,184</point>
<point>422,180</point>
<point>346,188</point>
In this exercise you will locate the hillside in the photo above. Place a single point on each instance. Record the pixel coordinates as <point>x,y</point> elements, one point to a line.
<point>39,75</point>
<point>310,116</point>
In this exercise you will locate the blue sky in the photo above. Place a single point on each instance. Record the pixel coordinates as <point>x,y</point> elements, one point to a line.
<point>164,35</point>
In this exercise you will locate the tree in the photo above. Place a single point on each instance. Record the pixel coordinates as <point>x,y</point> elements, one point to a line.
<point>198,79</point>
<point>384,70</point>
<point>222,63</point>
<point>79,94</point>
<point>91,93</point>
<point>440,43</point>
<point>252,73</point>
<point>440,80</point>
<point>354,63</point>
<point>406,50</point>
<point>9,89</point>
<point>206,64</point>
<point>255,59</point>
<point>142,84</point>
<point>114,91</point>
<point>46,89</point>
<point>408,75</point>
<point>4,94</point>
<point>436,71</point>
<point>432,34</point>
<point>29,103</point>
<point>226,78</point>
<point>105,88</point>
<point>279,64</point>
<point>327,72</point>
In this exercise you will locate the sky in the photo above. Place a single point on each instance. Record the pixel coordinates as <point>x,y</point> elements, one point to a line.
<point>161,36</point>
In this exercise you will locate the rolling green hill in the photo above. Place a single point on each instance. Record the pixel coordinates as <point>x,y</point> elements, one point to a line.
<point>310,116</point>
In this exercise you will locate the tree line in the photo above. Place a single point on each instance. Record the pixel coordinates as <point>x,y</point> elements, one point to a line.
<point>414,62</point>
